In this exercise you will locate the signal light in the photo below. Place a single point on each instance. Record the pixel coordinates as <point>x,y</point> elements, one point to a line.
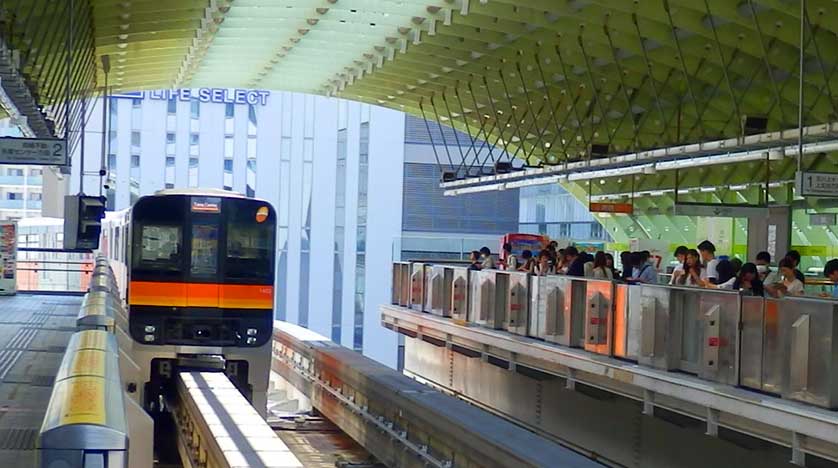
<point>83,221</point>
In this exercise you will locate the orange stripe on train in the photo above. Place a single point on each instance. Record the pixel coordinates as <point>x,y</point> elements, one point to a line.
<point>227,296</point>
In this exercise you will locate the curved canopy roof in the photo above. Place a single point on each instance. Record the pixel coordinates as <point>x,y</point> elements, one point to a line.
<point>549,78</point>
<point>547,81</point>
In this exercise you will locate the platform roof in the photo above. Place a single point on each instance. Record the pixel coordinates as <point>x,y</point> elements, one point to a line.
<point>546,78</point>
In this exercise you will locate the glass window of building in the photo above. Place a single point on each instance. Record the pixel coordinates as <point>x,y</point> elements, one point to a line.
<point>35,196</point>
<point>171,106</point>
<point>228,146</point>
<point>170,185</point>
<point>361,236</point>
<point>340,223</point>
<point>135,141</point>
<point>194,109</point>
<point>251,120</point>
<point>136,113</point>
<point>229,110</point>
<point>113,109</point>
<point>193,162</point>
<point>36,172</point>
<point>194,140</point>
<point>228,165</point>
<point>14,172</point>
<point>135,160</point>
<point>170,161</point>
<point>170,137</point>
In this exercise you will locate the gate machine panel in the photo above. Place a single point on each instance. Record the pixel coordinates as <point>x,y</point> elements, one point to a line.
<point>197,271</point>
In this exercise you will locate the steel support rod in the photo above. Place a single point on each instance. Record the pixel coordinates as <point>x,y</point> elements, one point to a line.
<point>472,148</point>
<point>800,87</point>
<point>430,135</point>
<point>442,133</point>
<point>456,137</point>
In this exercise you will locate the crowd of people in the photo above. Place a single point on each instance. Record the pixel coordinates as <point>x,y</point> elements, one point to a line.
<point>697,267</point>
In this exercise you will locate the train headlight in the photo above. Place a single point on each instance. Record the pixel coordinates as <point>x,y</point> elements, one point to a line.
<point>262,214</point>
<point>252,332</point>
<point>150,329</point>
<point>148,338</point>
<point>251,340</point>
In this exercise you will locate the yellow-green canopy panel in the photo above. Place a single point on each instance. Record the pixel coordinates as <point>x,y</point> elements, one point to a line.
<point>549,78</point>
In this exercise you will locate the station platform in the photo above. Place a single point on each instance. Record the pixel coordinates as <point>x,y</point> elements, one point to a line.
<point>34,330</point>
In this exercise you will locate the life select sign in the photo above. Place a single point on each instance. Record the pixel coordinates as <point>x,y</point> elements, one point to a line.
<point>215,95</point>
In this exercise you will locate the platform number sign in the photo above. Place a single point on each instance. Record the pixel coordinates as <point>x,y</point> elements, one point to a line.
<point>817,184</point>
<point>40,151</point>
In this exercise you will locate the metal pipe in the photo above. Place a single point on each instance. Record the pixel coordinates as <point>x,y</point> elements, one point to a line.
<point>68,46</point>
<point>703,161</point>
<point>800,88</point>
<point>106,67</point>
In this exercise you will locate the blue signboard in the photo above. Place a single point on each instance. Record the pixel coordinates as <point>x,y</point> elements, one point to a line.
<point>215,95</point>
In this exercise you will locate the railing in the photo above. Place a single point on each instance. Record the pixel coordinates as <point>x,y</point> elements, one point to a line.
<point>53,270</point>
<point>689,329</point>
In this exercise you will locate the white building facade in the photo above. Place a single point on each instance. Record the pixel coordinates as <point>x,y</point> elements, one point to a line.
<point>20,185</point>
<point>331,168</point>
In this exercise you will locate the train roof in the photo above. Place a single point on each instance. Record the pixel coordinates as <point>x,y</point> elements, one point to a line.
<point>205,192</point>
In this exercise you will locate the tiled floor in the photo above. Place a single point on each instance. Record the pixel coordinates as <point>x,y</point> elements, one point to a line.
<point>34,331</point>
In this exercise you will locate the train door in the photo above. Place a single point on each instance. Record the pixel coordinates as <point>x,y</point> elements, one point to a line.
<point>204,241</point>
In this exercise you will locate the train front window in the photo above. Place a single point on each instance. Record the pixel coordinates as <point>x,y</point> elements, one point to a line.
<point>250,243</point>
<point>160,248</point>
<point>204,249</point>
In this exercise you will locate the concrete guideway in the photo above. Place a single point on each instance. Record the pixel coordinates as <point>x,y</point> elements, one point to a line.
<point>401,422</point>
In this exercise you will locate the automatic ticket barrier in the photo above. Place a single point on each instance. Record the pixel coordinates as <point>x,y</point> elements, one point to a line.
<point>556,317</point>
<point>438,282</point>
<point>401,284</point>
<point>789,348</point>
<point>694,330</point>
<point>460,293</point>
<point>488,298</point>
<point>516,314</point>
<point>627,321</point>
<point>417,286</point>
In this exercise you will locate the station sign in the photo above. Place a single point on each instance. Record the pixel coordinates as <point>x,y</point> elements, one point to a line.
<point>41,151</point>
<point>620,208</point>
<point>816,184</point>
<point>822,219</point>
<point>718,210</point>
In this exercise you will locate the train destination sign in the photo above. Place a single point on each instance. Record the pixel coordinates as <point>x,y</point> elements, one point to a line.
<point>41,151</point>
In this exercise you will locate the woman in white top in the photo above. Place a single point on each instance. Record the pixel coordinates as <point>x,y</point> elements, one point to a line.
<point>789,285</point>
<point>690,275</point>
<point>600,268</point>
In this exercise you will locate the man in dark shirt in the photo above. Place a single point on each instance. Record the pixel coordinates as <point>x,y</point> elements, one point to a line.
<point>577,263</point>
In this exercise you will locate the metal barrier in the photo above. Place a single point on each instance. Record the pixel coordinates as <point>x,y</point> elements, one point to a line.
<point>785,346</point>
<point>53,270</point>
<point>400,421</point>
<point>89,421</point>
<point>85,424</point>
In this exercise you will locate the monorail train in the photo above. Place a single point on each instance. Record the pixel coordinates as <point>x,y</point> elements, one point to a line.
<point>196,271</point>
